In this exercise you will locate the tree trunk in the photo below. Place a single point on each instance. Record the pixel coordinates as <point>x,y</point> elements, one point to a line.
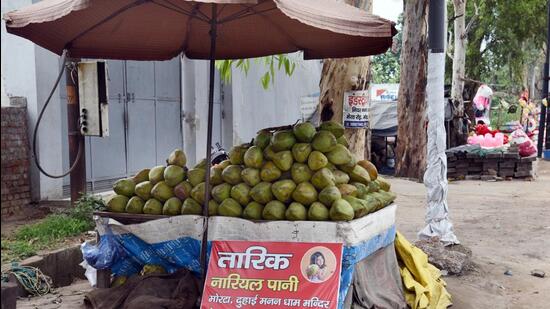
<point>411,107</point>
<point>457,131</point>
<point>339,76</point>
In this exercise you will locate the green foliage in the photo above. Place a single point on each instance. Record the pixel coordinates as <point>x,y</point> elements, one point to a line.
<point>52,228</point>
<point>505,38</point>
<point>269,62</point>
<point>16,250</point>
<point>386,67</point>
<point>500,107</point>
<point>51,231</point>
<point>86,205</point>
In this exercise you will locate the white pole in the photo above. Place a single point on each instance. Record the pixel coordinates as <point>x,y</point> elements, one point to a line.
<point>438,223</point>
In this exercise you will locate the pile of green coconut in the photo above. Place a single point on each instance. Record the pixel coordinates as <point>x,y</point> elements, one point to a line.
<point>297,173</point>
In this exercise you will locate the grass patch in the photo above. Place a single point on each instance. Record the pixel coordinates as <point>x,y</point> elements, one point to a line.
<point>51,231</point>
<point>52,228</point>
<point>16,250</point>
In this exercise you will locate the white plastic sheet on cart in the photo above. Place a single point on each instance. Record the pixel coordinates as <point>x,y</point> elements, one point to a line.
<point>175,242</point>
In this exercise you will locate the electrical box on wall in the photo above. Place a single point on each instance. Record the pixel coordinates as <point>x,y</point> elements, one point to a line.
<point>92,92</point>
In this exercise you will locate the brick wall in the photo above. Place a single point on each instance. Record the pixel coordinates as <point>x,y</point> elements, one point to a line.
<point>15,160</point>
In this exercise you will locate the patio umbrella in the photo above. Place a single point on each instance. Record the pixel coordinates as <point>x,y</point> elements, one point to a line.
<point>204,29</point>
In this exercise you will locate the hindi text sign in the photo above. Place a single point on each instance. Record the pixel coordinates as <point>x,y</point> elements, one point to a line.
<point>355,109</point>
<point>272,275</point>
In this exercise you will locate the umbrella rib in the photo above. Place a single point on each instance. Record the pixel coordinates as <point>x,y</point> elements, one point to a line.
<point>239,13</point>
<point>180,10</point>
<point>115,14</point>
<point>246,13</point>
<point>206,18</point>
<point>185,43</point>
<point>278,28</point>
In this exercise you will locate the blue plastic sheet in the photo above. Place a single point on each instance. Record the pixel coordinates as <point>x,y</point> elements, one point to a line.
<point>107,252</point>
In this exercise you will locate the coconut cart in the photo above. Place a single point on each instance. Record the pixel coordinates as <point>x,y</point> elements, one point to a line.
<point>224,29</point>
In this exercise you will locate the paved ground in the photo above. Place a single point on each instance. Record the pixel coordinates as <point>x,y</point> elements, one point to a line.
<point>506,224</point>
<point>69,297</point>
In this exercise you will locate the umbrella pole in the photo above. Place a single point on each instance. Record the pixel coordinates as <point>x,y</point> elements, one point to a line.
<point>204,243</point>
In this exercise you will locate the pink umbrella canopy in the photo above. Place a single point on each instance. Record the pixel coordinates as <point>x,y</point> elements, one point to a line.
<point>162,29</point>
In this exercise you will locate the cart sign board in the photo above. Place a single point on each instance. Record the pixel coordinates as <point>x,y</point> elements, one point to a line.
<point>243,274</point>
<point>356,105</point>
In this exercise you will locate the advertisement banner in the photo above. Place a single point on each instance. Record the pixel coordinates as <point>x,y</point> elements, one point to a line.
<point>272,275</point>
<point>355,109</point>
<point>384,92</point>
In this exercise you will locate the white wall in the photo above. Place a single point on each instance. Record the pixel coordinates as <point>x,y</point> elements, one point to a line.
<point>29,71</point>
<point>246,106</point>
<point>255,108</point>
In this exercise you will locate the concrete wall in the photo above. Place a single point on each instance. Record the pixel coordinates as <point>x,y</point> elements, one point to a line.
<point>29,71</point>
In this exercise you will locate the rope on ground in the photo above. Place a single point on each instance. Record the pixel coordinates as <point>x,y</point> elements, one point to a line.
<point>31,278</point>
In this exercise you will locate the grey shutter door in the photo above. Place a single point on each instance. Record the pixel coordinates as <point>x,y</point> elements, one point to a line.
<point>144,122</point>
<point>168,108</point>
<point>140,81</point>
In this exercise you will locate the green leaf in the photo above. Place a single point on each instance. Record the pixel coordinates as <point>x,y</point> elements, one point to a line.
<point>246,66</point>
<point>265,80</point>
<point>287,65</point>
<point>292,67</point>
<point>272,72</point>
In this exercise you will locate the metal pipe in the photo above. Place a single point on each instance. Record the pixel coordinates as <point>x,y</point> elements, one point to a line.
<point>76,139</point>
<point>213,34</point>
<point>436,26</point>
<point>543,110</point>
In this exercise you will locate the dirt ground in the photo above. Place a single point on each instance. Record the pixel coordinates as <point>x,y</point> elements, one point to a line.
<point>505,224</point>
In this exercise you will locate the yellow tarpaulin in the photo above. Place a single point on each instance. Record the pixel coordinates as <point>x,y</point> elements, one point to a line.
<point>422,281</point>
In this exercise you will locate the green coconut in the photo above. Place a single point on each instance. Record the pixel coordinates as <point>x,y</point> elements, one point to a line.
<point>274,210</point>
<point>156,174</point>
<point>173,174</point>
<point>177,157</point>
<point>253,157</point>
<point>135,205</point>
<point>304,132</point>
<point>117,203</point>
<point>125,187</point>
<point>152,207</point>
<point>172,207</point>
<point>230,208</point>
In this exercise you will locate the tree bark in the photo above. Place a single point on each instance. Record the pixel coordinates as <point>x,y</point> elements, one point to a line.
<point>339,76</point>
<point>411,108</point>
<point>456,130</point>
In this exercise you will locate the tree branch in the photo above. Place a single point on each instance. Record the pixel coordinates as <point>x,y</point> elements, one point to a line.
<point>450,46</point>
<point>471,22</point>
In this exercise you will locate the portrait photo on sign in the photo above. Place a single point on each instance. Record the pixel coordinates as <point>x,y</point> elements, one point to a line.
<point>318,264</point>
